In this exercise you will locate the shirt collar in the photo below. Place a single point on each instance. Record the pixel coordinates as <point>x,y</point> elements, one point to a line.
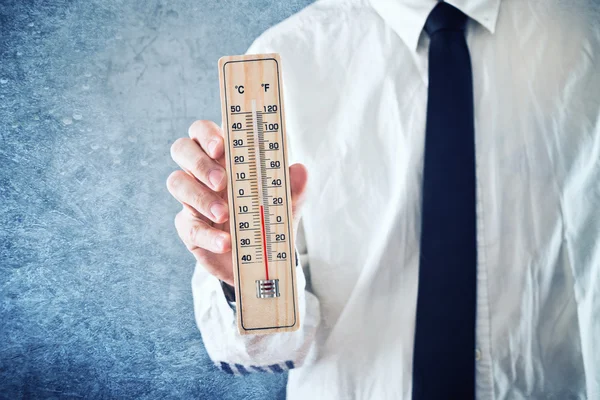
<point>407,17</point>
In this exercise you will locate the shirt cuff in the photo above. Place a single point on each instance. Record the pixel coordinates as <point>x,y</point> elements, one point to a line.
<point>239,369</point>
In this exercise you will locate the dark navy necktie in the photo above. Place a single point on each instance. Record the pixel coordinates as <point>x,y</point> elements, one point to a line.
<point>444,349</point>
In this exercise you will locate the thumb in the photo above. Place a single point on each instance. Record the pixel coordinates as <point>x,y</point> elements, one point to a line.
<point>298,180</point>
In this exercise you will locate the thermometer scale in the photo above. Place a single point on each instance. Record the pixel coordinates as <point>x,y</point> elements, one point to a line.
<point>259,194</point>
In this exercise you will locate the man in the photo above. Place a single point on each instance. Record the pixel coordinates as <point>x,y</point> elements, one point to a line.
<point>450,220</point>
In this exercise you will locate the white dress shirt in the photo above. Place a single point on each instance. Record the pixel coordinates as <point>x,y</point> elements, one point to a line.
<point>355,81</point>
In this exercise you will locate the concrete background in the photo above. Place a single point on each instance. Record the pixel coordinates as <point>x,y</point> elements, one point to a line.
<point>95,298</point>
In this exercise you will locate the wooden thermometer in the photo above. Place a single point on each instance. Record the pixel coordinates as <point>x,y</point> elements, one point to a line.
<point>259,194</point>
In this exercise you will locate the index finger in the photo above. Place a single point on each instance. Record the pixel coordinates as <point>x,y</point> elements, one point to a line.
<point>210,137</point>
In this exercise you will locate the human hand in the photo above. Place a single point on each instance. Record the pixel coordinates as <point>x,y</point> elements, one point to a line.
<point>203,223</point>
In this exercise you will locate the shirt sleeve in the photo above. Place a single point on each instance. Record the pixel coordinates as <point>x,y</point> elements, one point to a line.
<point>244,354</point>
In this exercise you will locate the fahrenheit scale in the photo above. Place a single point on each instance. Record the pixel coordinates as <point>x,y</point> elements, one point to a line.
<point>259,194</point>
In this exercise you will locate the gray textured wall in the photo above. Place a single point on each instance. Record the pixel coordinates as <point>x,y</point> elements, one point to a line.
<point>95,297</point>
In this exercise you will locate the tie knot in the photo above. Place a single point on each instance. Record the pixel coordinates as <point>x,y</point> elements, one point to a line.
<point>445,17</point>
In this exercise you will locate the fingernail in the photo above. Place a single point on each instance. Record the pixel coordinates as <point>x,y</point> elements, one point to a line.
<point>212,146</point>
<point>218,210</point>
<point>216,177</point>
<point>220,241</point>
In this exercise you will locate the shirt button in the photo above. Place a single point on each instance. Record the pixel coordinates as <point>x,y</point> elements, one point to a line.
<point>477,354</point>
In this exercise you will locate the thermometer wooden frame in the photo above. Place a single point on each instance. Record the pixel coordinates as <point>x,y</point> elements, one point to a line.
<point>264,264</point>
